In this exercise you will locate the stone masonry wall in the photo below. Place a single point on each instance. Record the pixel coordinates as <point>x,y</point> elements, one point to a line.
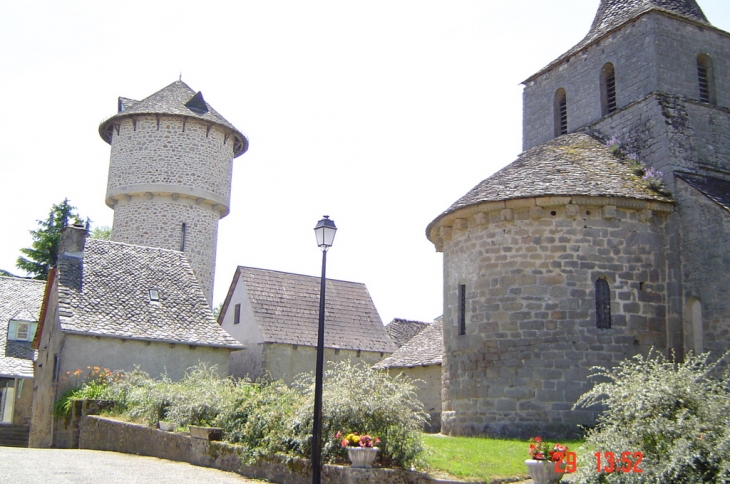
<point>172,154</point>
<point>165,171</point>
<point>99,433</point>
<point>157,222</point>
<point>655,53</point>
<point>529,267</point>
<point>706,248</point>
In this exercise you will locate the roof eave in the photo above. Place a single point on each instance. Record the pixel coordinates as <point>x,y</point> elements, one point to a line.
<point>232,347</point>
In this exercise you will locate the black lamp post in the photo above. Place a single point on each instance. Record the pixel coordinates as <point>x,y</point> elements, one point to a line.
<point>325,232</point>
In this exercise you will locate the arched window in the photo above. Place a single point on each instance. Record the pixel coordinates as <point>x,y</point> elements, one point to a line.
<point>693,316</point>
<point>608,89</point>
<point>561,112</point>
<point>705,79</point>
<point>603,304</point>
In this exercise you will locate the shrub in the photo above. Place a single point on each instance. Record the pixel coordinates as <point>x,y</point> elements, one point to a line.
<point>357,398</point>
<point>197,399</point>
<point>259,418</point>
<point>676,414</point>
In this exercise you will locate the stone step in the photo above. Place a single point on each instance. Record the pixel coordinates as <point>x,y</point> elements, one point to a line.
<point>14,435</point>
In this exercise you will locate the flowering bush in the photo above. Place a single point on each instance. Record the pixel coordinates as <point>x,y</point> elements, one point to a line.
<point>676,414</point>
<point>654,178</point>
<point>649,175</point>
<point>540,450</point>
<point>92,384</point>
<point>356,440</point>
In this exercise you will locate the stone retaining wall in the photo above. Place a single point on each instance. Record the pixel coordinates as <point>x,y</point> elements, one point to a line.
<point>99,433</point>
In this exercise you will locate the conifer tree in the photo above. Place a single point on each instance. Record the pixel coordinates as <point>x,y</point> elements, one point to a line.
<point>43,253</point>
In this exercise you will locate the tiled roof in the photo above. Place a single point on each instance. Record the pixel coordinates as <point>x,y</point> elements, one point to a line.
<point>19,299</point>
<point>109,295</point>
<point>715,189</point>
<point>402,330</point>
<point>286,307</point>
<point>170,100</point>
<point>612,14</point>
<point>426,348</point>
<point>570,165</point>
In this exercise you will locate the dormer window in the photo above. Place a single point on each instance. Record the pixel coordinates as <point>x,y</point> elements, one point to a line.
<point>154,294</point>
<point>608,89</point>
<point>21,330</point>
<point>705,79</point>
<point>561,112</point>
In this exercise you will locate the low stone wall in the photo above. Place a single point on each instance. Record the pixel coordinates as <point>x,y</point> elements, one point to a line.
<point>99,433</point>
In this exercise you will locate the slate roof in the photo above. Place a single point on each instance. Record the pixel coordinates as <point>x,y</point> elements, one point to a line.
<point>286,307</point>
<point>402,330</point>
<point>424,349</point>
<point>170,100</point>
<point>19,299</point>
<point>715,189</point>
<point>571,165</point>
<point>612,14</point>
<point>108,295</point>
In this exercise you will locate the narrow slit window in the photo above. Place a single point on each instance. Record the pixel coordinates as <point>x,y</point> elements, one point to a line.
<point>462,309</point>
<point>704,79</point>
<point>608,89</point>
<point>561,112</point>
<point>237,314</point>
<point>603,304</point>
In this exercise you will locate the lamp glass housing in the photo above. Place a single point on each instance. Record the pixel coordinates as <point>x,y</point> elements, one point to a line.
<point>325,232</point>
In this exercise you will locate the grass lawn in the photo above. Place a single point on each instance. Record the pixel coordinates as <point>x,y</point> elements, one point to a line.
<point>478,458</point>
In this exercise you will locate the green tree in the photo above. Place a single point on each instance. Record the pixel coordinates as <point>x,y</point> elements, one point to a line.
<point>103,233</point>
<point>42,255</point>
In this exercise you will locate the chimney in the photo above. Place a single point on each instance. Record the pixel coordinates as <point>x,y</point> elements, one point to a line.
<point>73,240</point>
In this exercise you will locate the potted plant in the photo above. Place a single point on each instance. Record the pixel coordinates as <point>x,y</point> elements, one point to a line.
<point>546,465</point>
<point>361,449</point>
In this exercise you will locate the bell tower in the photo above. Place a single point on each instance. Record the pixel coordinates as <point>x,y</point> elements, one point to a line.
<point>170,174</point>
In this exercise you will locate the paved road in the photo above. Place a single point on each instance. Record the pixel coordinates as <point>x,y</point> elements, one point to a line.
<point>70,466</point>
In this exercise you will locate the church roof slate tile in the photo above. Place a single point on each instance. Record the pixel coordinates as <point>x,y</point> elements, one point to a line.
<point>612,14</point>
<point>19,299</point>
<point>169,100</point>
<point>570,165</point>
<point>715,189</point>
<point>107,294</point>
<point>402,330</point>
<point>286,307</point>
<point>424,349</point>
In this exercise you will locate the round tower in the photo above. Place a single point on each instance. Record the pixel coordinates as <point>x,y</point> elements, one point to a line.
<point>170,174</point>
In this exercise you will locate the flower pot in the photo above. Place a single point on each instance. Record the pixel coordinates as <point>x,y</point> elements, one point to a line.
<point>166,426</point>
<point>543,471</point>
<point>362,456</point>
<point>206,433</point>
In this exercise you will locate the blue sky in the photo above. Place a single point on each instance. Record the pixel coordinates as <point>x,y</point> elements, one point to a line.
<point>378,113</point>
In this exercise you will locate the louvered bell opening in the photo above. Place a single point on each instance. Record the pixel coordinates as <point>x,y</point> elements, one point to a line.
<point>611,93</point>
<point>563,105</point>
<point>704,84</point>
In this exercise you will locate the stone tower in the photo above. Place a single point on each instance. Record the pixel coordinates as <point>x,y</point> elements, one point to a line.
<point>170,174</point>
<point>568,258</point>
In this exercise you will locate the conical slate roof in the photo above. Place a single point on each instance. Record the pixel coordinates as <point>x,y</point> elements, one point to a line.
<point>179,99</point>
<point>612,14</point>
<point>570,165</point>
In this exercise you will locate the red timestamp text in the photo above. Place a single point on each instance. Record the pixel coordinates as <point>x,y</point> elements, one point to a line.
<point>627,462</point>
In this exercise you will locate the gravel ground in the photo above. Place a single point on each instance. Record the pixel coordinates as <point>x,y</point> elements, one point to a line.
<point>71,466</point>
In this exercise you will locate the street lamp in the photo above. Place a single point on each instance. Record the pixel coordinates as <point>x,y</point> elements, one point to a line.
<point>325,232</point>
